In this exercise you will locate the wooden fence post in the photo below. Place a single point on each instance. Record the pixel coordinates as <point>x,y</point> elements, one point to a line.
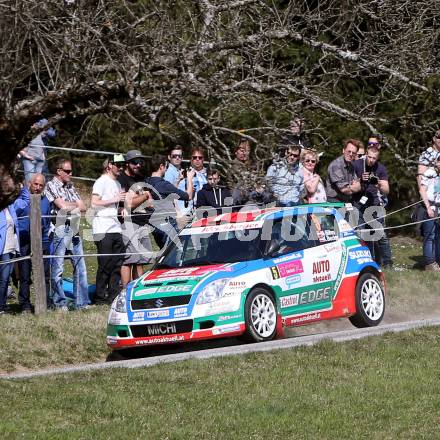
<point>37,255</point>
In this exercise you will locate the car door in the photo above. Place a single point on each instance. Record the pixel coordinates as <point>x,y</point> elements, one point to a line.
<point>306,266</point>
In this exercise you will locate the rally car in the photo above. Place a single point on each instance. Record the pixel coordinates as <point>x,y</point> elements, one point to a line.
<point>251,274</point>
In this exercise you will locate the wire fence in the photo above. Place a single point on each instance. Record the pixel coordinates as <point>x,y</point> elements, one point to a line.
<point>153,253</point>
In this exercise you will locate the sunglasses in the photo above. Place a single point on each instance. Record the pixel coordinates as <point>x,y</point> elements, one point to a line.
<point>293,154</point>
<point>197,157</point>
<point>118,164</point>
<point>139,162</point>
<point>437,136</point>
<point>66,171</point>
<point>176,156</point>
<point>310,161</point>
<point>374,143</point>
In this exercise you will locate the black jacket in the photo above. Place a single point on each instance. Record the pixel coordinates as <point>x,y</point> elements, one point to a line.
<point>215,197</point>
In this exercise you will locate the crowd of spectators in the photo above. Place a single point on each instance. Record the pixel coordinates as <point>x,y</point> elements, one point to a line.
<point>129,207</point>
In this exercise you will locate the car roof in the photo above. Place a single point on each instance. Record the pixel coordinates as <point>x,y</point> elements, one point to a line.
<point>259,215</point>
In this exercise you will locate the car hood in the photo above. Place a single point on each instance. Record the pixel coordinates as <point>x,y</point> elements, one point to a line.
<point>181,281</point>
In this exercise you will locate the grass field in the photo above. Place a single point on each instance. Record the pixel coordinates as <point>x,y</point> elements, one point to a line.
<point>377,388</point>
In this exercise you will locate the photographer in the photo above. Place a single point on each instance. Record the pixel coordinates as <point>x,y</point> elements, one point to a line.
<point>374,191</point>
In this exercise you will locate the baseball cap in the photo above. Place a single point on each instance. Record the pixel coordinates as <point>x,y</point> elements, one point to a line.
<point>116,158</point>
<point>133,154</point>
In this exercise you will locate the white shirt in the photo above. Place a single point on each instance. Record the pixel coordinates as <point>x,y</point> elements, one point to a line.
<point>106,218</point>
<point>431,180</point>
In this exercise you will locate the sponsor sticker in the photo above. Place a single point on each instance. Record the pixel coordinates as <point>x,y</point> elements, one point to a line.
<point>138,316</point>
<point>181,288</point>
<point>158,314</point>
<point>227,317</point>
<point>294,279</point>
<point>289,301</point>
<point>294,256</point>
<point>229,328</point>
<point>147,291</point>
<point>180,312</point>
<point>333,247</point>
<point>304,318</point>
<point>274,272</point>
<point>290,268</point>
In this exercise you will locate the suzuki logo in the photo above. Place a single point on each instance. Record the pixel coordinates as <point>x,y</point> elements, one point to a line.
<point>158,303</point>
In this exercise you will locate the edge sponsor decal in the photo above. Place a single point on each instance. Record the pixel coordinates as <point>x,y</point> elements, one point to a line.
<point>290,268</point>
<point>307,297</point>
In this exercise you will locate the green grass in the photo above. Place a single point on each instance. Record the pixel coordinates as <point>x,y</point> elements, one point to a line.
<point>377,388</point>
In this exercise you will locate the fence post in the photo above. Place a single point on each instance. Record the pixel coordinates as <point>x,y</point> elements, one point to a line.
<point>37,255</point>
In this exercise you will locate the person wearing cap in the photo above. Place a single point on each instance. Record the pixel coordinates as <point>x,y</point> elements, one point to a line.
<point>135,232</point>
<point>107,230</point>
<point>68,206</point>
<point>33,156</point>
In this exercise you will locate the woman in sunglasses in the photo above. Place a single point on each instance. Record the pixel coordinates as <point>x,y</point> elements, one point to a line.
<point>313,187</point>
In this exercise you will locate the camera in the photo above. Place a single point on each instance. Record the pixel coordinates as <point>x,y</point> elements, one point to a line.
<point>373,179</point>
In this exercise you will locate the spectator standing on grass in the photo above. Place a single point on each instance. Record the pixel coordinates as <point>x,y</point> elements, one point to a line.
<point>107,230</point>
<point>285,178</point>
<point>342,182</point>
<point>34,156</point>
<point>199,179</point>
<point>430,193</point>
<point>375,188</point>
<point>314,190</point>
<point>9,249</point>
<point>163,216</point>
<point>22,208</point>
<point>68,207</point>
<point>135,232</point>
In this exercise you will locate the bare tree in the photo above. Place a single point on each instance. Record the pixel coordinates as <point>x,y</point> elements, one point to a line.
<point>200,66</point>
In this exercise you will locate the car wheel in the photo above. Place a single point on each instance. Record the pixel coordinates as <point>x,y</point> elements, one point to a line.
<point>370,302</point>
<point>260,316</point>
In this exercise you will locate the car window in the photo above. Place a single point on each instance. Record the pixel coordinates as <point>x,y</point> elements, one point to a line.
<point>323,229</point>
<point>291,234</point>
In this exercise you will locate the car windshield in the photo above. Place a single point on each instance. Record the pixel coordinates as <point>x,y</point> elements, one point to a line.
<point>213,248</point>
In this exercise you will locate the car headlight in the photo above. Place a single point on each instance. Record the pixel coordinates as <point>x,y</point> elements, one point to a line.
<point>121,302</point>
<point>212,292</point>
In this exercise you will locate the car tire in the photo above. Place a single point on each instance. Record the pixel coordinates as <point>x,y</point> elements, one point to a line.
<point>370,302</point>
<point>260,316</point>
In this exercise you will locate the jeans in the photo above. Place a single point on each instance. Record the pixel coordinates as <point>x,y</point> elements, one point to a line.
<point>431,241</point>
<point>25,267</point>
<point>5,275</point>
<point>64,243</point>
<point>32,167</point>
<point>108,275</point>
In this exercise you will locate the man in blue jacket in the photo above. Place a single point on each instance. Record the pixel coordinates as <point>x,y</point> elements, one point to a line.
<point>22,209</point>
<point>9,248</point>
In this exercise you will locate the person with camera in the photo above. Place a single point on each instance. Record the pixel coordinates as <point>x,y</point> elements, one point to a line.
<point>375,188</point>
